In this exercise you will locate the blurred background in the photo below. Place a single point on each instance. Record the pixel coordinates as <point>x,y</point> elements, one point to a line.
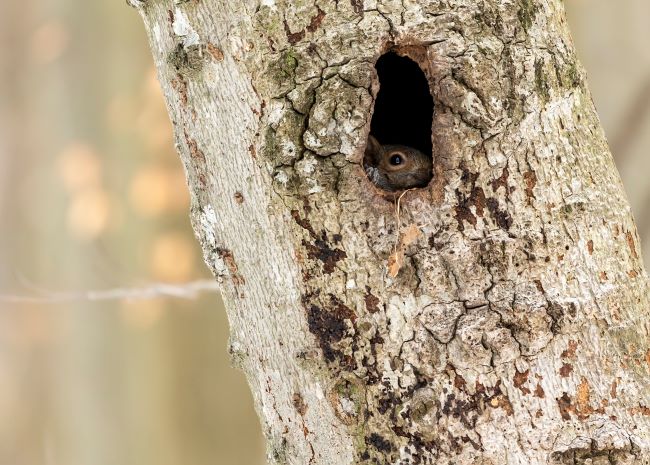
<point>93,198</point>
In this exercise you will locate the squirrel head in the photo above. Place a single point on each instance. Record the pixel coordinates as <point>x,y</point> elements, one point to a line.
<point>396,167</point>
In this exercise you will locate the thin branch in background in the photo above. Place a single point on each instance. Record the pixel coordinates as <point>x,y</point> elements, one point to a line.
<point>631,123</point>
<point>190,290</point>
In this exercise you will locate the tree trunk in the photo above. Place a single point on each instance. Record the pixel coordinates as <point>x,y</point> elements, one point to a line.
<point>497,316</point>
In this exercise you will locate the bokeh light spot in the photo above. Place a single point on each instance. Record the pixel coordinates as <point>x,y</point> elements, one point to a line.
<point>89,214</point>
<point>172,257</point>
<point>156,190</point>
<point>49,42</point>
<point>79,167</point>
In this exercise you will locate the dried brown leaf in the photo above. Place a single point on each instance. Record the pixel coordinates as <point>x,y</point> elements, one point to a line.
<point>396,259</point>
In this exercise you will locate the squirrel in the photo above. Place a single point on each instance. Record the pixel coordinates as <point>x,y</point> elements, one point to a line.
<point>396,167</point>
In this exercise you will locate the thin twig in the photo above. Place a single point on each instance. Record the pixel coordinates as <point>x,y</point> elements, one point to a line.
<point>398,214</point>
<point>190,290</point>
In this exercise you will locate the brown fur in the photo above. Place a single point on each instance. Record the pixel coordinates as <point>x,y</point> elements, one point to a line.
<point>414,171</point>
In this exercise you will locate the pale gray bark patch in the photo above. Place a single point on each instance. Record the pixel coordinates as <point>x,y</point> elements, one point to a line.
<point>514,327</point>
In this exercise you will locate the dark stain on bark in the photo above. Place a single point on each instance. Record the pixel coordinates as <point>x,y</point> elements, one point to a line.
<point>468,407</point>
<point>215,51</point>
<point>466,410</point>
<point>501,217</point>
<point>228,258</point>
<point>520,379</point>
<point>372,302</point>
<point>594,454</point>
<point>299,404</point>
<point>475,199</point>
<point>501,181</point>
<point>179,84</point>
<point>293,37</point>
<point>463,213</point>
<point>640,410</point>
<point>432,241</point>
<point>565,406</point>
<point>531,181</point>
<point>316,21</point>
<point>379,443</point>
<point>631,244</point>
<point>314,24</point>
<point>303,223</point>
<point>329,326</point>
<point>357,6</point>
<point>387,404</point>
<point>565,370</point>
<point>556,312</point>
<point>459,382</point>
<point>478,198</point>
<point>570,351</point>
<point>321,251</point>
<point>417,445</point>
<point>196,154</point>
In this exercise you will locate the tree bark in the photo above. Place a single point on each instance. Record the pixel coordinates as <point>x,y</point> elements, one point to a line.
<point>498,316</point>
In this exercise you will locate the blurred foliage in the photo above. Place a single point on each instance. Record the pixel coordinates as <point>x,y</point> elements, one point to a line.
<point>92,196</point>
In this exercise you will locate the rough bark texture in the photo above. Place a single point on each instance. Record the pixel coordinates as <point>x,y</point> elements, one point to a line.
<point>498,316</point>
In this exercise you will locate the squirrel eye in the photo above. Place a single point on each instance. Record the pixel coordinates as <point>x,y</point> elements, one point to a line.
<point>396,160</point>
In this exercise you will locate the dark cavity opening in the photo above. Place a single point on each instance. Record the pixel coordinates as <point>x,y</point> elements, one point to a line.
<point>404,107</point>
<point>398,155</point>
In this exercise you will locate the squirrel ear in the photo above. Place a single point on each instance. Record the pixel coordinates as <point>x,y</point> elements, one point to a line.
<point>373,148</point>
